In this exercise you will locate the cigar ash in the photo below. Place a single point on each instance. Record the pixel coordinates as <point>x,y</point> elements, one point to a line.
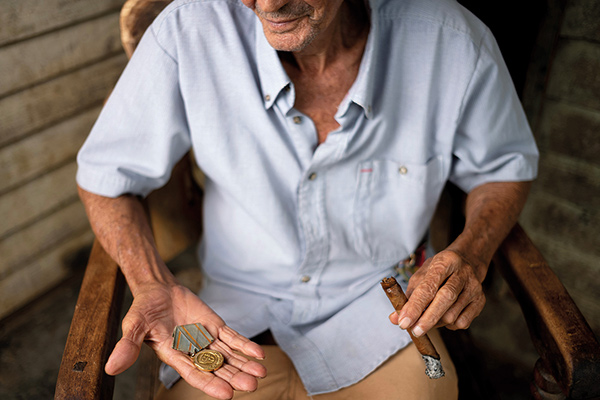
<point>433,367</point>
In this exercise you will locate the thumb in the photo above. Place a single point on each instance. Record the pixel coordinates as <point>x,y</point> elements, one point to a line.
<point>128,348</point>
<point>394,318</point>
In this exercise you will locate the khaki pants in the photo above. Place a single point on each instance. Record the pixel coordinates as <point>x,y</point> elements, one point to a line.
<point>402,377</point>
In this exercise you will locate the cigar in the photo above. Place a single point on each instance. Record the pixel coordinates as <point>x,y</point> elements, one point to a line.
<point>433,366</point>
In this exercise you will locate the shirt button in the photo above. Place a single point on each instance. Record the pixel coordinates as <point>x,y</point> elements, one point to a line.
<point>403,170</point>
<point>312,176</point>
<point>267,97</point>
<point>305,279</point>
<point>297,120</point>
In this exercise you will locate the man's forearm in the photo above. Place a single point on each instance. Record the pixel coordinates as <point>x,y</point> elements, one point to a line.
<point>121,226</point>
<point>491,211</point>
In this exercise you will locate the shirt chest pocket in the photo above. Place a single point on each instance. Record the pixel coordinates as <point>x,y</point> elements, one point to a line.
<point>393,205</point>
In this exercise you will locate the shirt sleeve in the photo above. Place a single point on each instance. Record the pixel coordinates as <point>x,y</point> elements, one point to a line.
<point>142,130</point>
<point>493,142</point>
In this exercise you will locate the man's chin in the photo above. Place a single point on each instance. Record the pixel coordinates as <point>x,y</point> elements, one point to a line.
<point>288,41</point>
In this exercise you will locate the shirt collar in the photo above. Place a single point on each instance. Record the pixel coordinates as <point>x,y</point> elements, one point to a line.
<point>361,92</point>
<point>273,78</point>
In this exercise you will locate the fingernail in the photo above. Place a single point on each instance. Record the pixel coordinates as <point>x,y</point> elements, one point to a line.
<point>405,323</point>
<point>418,331</point>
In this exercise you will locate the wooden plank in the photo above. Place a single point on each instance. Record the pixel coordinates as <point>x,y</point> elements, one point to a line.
<point>563,220</point>
<point>24,18</point>
<point>33,279</point>
<point>29,202</point>
<point>574,74</point>
<point>579,180</point>
<point>541,58</point>
<point>582,20</point>
<point>28,158</point>
<point>93,331</point>
<point>570,131</point>
<point>39,238</point>
<point>57,99</point>
<point>42,57</point>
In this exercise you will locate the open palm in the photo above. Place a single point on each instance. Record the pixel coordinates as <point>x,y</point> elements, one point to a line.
<point>152,317</point>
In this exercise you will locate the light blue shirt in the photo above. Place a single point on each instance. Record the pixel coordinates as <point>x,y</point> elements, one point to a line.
<point>298,235</point>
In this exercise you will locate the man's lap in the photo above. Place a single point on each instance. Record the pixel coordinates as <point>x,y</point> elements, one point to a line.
<point>400,377</point>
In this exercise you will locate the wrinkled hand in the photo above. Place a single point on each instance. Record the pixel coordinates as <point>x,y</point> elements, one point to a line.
<point>152,317</point>
<point>445,291</point>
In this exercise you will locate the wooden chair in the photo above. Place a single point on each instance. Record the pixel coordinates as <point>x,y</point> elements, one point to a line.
<point>569,363</point>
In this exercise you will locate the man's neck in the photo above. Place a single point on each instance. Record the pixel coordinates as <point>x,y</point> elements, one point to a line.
<point>344,39</point>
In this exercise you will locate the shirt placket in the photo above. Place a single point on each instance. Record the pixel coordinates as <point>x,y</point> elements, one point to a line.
<point>312,218</point>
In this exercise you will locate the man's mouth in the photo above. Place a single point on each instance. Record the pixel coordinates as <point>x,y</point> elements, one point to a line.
<point>282,25</point>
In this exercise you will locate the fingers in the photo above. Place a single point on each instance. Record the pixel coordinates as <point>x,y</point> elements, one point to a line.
<point>207,382</point>
<point>240,343</point>
<point>472,293</point>
<point>450,296</point>
<point>237,373</point>
<point>423,294</point>
<point>467,316</point>
<point>434,314</point>
<point>444,311</point>
<point>128,348</point>
<point>237,379</point>
<point>238,361</point>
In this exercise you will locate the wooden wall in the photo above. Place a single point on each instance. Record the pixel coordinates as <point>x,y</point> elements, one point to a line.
<point>58,61</point>
<point>563,211</point>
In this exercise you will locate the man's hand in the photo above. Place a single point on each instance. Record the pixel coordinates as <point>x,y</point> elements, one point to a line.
<point>155,312</point>
<point>160,303</point>
<point>445,291</point>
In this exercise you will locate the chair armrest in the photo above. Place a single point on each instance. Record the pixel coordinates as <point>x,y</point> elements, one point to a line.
<point>93,331</point>
<point>568,349</point>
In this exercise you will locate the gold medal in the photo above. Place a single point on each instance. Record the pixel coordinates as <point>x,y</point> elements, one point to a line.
<point>208,360</point>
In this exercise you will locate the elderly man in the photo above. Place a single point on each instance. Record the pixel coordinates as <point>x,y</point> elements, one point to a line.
<point>327,130</point>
